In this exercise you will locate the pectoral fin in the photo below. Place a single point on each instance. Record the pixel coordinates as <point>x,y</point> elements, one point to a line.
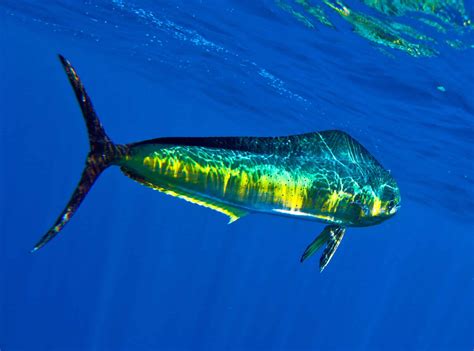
<point>335,238</point>
<point>316,244</point>
<point>331,236</point>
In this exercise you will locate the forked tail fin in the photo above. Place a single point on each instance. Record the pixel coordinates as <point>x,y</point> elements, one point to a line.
<point>103,152</point>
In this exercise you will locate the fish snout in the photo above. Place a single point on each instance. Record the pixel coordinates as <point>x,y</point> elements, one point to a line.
<point>393,207</point>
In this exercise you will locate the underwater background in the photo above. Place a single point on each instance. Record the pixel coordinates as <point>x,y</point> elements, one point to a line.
<point>139,270</point>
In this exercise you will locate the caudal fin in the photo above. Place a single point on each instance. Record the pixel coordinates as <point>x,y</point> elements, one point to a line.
<point>103,152</point>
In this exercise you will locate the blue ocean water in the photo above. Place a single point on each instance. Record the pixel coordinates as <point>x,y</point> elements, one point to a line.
<point>139,270</point>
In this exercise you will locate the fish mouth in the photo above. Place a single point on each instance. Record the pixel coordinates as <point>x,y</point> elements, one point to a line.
<point>394,209</point>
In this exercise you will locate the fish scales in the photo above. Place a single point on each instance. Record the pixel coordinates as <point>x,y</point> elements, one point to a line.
<point>303,174</point>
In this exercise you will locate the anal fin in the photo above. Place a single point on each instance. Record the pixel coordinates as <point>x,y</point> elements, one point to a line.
<point>331,236</point>
<point>234,213</point>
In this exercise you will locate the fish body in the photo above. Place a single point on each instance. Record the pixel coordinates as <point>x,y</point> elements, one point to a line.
<point>323,176</point>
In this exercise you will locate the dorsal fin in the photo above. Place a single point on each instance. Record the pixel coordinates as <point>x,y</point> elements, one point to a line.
<point>326,144</point>
<point>345,148</point>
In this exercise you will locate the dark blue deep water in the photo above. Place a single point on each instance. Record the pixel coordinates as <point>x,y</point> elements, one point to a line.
<point>140,270</point>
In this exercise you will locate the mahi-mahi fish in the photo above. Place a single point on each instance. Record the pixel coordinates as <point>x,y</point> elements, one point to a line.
<point>323,176</point>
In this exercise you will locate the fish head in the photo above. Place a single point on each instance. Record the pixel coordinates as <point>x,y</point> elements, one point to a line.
<point>389,196</point>
<point>377,201</point>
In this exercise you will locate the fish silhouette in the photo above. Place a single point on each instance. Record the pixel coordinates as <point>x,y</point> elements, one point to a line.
<point>323,176</point>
